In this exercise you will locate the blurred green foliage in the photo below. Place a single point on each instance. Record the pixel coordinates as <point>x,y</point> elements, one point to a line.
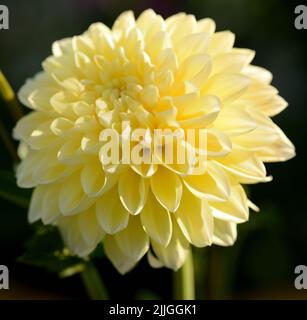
<point>10,192</point>
<point>46,250</point>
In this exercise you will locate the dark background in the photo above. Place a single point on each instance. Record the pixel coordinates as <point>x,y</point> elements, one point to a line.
<point>261,264</point>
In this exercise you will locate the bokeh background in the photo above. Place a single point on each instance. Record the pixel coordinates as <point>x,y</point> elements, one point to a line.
<point>261,263</point>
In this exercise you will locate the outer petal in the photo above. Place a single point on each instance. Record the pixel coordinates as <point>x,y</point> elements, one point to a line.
<point>156,221</point>
<point>93,178</point>
<point>225,233</point>
<point>244,165</point>
<point>132,189</point>
<point>193,65</point>
<point>26,125</point>
<point>281,150</point>
<point>133,240</point>
<point>71,194</point>
<point>120,261</point>
<point>48,169</point>
<point>266,133</point>
<point>180,26</point>
<point>195,219</point>
<point>124,22</point>
<point>196,43</point>
<point>111,214</point>
<point>274,106</point>
<point>36,99</point>
<point>24,170</point>
<point>213,185</point>
<point>258,74</point>
<point>221,42</point>
<point>89,227</point>
<point>235,209</point>
<point>153,261</point>
<point>233,61</point>
<point>197,112</point>
<point>206,25</point>
<point>50,206</point>
<point>234,121</point>
<point>218,143</point>
<point>70,231</point>
<point>169,194</point>
<point>173,256</point>
<point>192,104</point>
<point>150,23</point>
<point>227,86</point>
<point>36,205</point>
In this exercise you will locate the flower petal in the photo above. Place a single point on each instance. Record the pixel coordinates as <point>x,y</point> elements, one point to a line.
<point>206,25</point>
<point>36,99</point>
<point>225,233</point>
<point>153,261</point>
<point>36,204</point>
<point>281,150</point>
<point>195,68</point>
<point>244,165</point>
<point>195,219</point>
<point>111,214</point>
<point>213,185</point>
<point>173,256</point>
<point>257,73</point>
<point>132,190</point>
<point>133,240</point>
<point>124,21</point>
<point>221,42</point>
<point>120,261</point>
<point>156,221</point>
<point>89,227</point>
<point>233,61</point>
<point>235,209</point>
<point>92,178</point>
<point>48,169</point>
<point>169,194</point>
<point>24,170</point>
<point>196,43</point>
<point>273,107</point>
<point>71,194</point>
<point>234,121</point>
<point>50,205</point>
<point>227,86</point>
<point>181,25</point>
<point>70,231</point>
<point>26,125</point>
<point>218,143</point>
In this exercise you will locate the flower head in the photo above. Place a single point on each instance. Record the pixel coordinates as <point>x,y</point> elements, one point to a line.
<point>150,73</point>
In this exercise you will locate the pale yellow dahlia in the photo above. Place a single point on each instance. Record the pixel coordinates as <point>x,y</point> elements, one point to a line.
<point>154,73</point>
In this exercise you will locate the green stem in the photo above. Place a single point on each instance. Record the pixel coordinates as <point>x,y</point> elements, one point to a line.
<point>8,142</point>
<point>184,285</point>
<point>9,97</point>
<point>93,283</point>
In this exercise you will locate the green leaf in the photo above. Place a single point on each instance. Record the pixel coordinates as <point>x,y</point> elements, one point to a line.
<point>9,190</point>
<point>46,250</point>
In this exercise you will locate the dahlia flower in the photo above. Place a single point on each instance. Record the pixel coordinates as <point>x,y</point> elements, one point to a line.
<point>153,73</point>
